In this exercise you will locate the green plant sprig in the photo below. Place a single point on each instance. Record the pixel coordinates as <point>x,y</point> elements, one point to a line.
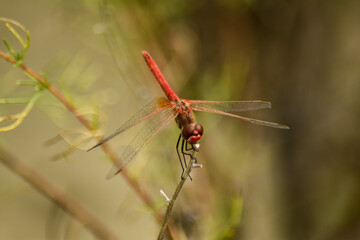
<point>18,56</point>
<point>19,117</point>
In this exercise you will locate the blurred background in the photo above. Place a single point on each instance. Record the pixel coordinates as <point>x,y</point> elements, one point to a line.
<point>256,182</point>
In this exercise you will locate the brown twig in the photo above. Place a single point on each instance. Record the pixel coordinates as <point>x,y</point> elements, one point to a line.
<point>171,202</point>
<point>57,195</point>
<point>134,184</point>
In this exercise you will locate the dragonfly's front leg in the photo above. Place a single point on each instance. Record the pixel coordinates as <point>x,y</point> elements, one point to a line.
<point>194,149</point>
<point>184,150</point>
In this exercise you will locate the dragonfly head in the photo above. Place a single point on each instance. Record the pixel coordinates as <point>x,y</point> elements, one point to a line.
<point>192,132</point>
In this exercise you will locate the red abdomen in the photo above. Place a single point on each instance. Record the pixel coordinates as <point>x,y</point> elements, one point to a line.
<point>171,95</point>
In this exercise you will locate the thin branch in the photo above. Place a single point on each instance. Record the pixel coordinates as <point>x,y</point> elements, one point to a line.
<point>177,191</point>
<point>57,195</point>
<point>134,184</point>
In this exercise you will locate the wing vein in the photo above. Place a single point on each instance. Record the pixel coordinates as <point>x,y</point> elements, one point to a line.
<point>256,121</point>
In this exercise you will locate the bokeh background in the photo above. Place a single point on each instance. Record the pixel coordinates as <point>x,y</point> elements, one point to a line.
<point>257,182</point>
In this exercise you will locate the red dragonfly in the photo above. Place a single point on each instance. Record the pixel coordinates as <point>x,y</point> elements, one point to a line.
<point>161,111</point>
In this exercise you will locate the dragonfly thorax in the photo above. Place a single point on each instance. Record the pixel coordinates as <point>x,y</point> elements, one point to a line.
<point>192,132</point>
<point>185,115</point>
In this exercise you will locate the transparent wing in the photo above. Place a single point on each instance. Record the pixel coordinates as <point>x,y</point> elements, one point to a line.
<point>151,128</point>
<point>154,107</point>
<point>229,107</point>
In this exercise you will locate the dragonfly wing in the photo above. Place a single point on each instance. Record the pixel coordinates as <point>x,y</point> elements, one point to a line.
<point>228,108</point>
<point>153,125</point>
<point>156,106</point>
<point>231,106</point>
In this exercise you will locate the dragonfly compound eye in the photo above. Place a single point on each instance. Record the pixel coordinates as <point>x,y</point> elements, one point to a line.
<point>199,128</point>
<point>192,132</point>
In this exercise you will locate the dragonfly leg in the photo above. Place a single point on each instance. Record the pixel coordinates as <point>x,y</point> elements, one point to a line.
<point>187,148</point>
<point>195,164</point>
<point>184,151</point>
<point>178,153</point>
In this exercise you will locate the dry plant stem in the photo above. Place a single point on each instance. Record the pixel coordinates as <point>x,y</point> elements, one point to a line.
<point>175,195</point>
<point>57,195</point>
<point>135,185</point>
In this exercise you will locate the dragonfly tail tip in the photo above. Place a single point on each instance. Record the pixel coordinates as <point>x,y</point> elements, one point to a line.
<point>144,53</point>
